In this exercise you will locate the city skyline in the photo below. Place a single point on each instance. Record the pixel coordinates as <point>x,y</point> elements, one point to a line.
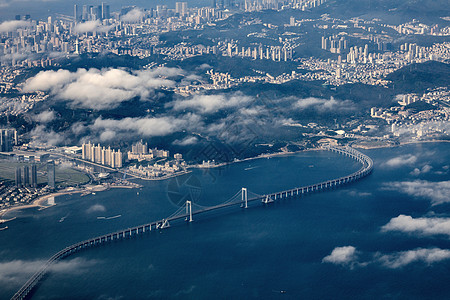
<point>268,147</point>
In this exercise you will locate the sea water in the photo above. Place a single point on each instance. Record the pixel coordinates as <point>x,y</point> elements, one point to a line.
<point>266,251</point>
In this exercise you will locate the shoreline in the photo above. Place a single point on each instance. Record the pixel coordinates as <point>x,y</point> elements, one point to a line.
<point>159,178</point>
<point>398,145</point>
<point>261,156</point>
<point>39,202</point>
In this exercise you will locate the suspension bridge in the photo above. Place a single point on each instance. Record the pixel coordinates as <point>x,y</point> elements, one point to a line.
<point>187,212</point>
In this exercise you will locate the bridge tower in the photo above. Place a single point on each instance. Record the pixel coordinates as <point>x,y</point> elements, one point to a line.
<point>189,210</point>
<point>244,197</point>
<point>164,224</point>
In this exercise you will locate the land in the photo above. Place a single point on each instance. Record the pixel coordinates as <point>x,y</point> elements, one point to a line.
<point>229,83</point>
<point>43,201</point>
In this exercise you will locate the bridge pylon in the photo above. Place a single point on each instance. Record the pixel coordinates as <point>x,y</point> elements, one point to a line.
<point>267,200</point>
<point>244,197</point>
<point>189,211</point>
<point>165,224</point>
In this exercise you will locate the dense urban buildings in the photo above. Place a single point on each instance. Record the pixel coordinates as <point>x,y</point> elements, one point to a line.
<point>206,109</point>
<point>105,156</point>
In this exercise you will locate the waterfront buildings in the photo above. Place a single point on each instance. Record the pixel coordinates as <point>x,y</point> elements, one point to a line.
<point>26,176</point>
<point>18,178</point>
<point>140,151</point>
<point>51,174</point>
<point>102,155</point>
<point>34,175</point>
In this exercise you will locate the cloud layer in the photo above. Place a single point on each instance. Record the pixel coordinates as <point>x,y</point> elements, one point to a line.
<point>133,16</point>
<point>147,126</point>
<point>323,105</point>
<point>346,257</point>
<point>18,271</point>
<point>9,26</point>
<point>96,208</point>
<point>436,192</point>
<point>45,116</point>
<point>400,161</point>
<point>99,89</point>
<point>420,226</point>
<point>401,259</point>
<point>342,256</point>
<point>91,26</point>
<point>206,104</point>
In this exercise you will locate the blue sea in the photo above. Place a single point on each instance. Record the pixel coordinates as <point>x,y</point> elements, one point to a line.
<point>326,245</point>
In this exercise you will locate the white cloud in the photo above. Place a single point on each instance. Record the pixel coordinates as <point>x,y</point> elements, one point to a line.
<point>348,257</point>
<point>436,192</point>
<point>10,26</point>
<point>143,126</point>
<point>18,271</point>
<point>204,67</point>
<point>420,226</point>
<point>48,80</point>
<point>91,26</point>
<point>345,256</point>
<point>41,135</point>
<point>187,141</point>
<point>45,116</point>
<point>207,104</point>
<point>404,258</point>
<point>100,89</point>
<point>323,104</point>
<point>96,208</point>
<point>133,16</point>
<point>354,193</point>
<point>425,169</point>
<point>78,128</point>
<point>399,161</point>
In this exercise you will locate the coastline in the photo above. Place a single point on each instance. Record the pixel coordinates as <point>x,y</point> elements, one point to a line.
<point>270,155</point>
<point>398,145</point>
<point>39,202</point>
<point>159,178</point>
<point>99,188</point>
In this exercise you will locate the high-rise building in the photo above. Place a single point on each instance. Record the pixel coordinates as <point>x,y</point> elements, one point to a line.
<point>94,12</point>
<point>33,175</point>
<point>51,174</point>
<point>105,11</point>
<point>139,148</point>
<point>324,43</point>
<point>26,176</point>
<point>102,155</point>
<point>18,178</point>
<point>76,16</point>
<point>181,8</point>
<point>117,159</point>
<point>85,13</point>
<point>8,138</point>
